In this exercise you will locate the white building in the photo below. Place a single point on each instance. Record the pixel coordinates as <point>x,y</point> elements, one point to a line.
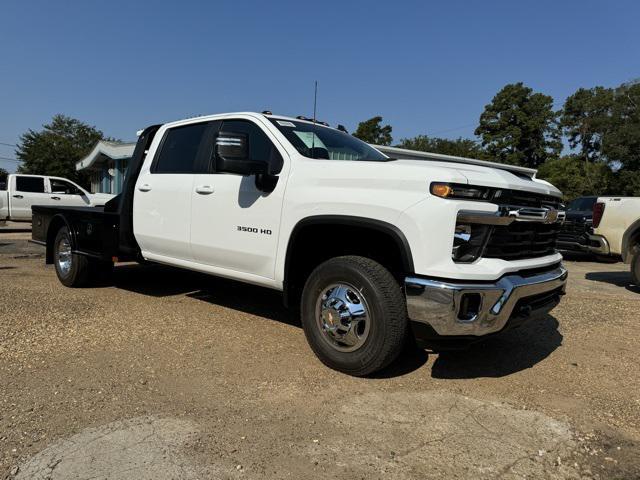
<point>107,166</point>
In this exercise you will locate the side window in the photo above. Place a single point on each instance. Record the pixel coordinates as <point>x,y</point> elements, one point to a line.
<point>179,149</point>
<point>63,187</point>
<point>30,184</point>
<point>260,147</point>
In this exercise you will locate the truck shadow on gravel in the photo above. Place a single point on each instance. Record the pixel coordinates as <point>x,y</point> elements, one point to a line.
<point>161,281</point>
<point>502,355</point>
<point>496,357</point>
<point>619,279</point>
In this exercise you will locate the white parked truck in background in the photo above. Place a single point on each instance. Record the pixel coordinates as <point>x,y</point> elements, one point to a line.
<point>21,192</point>
<point>616,224</point>
<point>371,248</point>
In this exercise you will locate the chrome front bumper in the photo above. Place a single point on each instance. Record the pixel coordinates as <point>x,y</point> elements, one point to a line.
<point>439,303</point>
<point>598,244</point>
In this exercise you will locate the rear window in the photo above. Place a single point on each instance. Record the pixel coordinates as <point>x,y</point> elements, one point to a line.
<point>582,204</point>
<point>179,149</point>
<point>30,184</point>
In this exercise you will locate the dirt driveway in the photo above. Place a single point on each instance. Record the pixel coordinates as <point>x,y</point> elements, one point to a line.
<point>170,374</point>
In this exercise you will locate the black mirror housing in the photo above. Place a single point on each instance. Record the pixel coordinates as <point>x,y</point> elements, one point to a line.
<point>232,145</point>
<point>232,156</point>
<point>232,152</point>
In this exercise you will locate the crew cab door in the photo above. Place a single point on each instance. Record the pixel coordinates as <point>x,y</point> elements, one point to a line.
<point>64,192</point>
<point>163,194</point>
<point>24,192</point>
<point>234,224</point>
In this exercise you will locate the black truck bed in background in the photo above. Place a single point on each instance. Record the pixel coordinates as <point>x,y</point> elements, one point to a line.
<point>93,230</point>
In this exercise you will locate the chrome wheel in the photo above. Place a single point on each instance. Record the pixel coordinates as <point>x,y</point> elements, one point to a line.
<point>342,315</point>
<point>64,256</point>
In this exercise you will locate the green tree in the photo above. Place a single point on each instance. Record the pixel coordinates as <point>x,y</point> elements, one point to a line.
<point>3,175</point>
<point>372,131</point>
<point>627,183</point>
<point>460,147</point>
<point>621,143</point>
<point>575,177</point>
<point>520,127</point>
<point>585,118</point>
<point>57,147</point>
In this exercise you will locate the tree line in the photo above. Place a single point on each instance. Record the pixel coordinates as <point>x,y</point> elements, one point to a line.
<point>600,125</point>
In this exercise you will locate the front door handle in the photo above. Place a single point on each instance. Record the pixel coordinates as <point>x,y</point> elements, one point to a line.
<point>145,187</point>
<point>55,198</point>
<point>204,189</point>
<point>18,196</point>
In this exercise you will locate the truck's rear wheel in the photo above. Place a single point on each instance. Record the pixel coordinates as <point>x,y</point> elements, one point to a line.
<point>354,315</point>
<point>75,270</point>
<point>635,267</point>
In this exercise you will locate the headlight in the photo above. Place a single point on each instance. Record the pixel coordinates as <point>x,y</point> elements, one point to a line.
<point>461,192</point>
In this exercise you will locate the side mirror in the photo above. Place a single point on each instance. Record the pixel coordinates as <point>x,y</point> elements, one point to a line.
<point>232,152</point>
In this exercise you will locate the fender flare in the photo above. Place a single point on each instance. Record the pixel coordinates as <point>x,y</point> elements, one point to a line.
<point>381,226</point>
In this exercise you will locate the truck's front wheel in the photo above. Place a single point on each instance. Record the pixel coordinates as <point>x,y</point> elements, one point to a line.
<point>354,315</point>
<point>75,270</point>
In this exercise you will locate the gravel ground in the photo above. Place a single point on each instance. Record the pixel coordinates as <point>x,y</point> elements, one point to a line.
<point>171,374</point>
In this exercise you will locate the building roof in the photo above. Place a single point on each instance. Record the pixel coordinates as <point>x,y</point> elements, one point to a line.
<point>104,151</point>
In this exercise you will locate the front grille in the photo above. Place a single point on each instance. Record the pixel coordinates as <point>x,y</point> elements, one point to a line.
<point>520,240</point>
<point>518,198</point>
<point>573,228</point>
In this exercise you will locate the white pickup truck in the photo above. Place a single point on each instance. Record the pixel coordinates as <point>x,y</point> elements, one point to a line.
<point>372,247</point>
<point>616,224</point>
<point>24,191</point>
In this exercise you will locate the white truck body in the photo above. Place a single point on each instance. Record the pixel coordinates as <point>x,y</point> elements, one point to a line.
<point>204,236</point>
<point>372,248</point>
<point>618,228</point>
<point>24,191</point>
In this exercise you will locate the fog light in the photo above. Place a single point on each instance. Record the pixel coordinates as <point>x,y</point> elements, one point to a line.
<point>468,242</point>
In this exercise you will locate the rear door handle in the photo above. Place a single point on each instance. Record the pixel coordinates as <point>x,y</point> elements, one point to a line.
<point>145,187</point>
<point>18,196</point>
<point>55,198</point>
<point>204,189</point>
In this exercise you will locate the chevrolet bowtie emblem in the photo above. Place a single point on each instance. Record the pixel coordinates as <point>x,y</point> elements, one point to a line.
<point>551,216</point>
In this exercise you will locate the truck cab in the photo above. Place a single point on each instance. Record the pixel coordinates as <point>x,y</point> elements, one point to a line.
<point>23,191</point>
<point>373,244</point>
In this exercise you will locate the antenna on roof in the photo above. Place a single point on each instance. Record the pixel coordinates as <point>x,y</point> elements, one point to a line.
<point>313,134</point>
<point>315,98</point>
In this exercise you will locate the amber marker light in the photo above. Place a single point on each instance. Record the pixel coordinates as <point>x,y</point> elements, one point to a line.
<point>441,190</point>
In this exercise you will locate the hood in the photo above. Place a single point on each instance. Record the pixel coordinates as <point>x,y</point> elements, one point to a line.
<point>478,172</point>
<point>487,176</point>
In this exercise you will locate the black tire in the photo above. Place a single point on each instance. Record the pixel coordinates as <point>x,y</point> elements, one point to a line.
<point>386,307</point>
<point>81,271</point>
<point>635,267</point>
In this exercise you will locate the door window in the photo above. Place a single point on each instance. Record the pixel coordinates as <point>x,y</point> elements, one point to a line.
<point>260,146</point>
<point>30,184</point>
<point>179,149</point>
<point>63,187</point>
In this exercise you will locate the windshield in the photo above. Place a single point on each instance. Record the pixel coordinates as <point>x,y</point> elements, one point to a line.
<point>317,141</point>
<point>582,204</point>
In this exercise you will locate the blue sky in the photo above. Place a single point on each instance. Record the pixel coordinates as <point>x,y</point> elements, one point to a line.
<point>426,67</point>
